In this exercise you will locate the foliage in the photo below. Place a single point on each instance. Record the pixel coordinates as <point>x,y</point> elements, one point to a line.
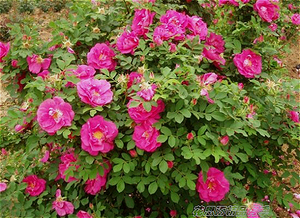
<point>145,184</point>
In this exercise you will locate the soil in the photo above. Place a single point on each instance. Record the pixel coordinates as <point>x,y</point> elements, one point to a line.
<point>42,20</point>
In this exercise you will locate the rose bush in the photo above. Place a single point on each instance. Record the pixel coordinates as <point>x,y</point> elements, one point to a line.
<point>148,109</point>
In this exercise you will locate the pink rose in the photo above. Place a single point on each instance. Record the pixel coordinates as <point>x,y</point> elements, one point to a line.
<point>61,206</point>
<point>224,140</point>
<point>84,72</point>
<point>253,210</point>
<point>140,115</point>
<point>44,74</point>
<point>94,92</point>
<point>267,10</point>
<point>14,63</point>
<point>165,32</point>
<point>67,160</point>
<point>53,114</point>
<point>215,187</point>
<point>134,78</point>
<point>294,115</point>
<point>205,93</point>
<point>4,152</point>
<point>93,186</point>
<point>3,186</point>
<point>45,157</point>
<point>213,48</point>
<point>4,49</point>
<point>172,47</point>
<point>207,79</point>
<point>37,63</point>
<point>127,42</point>
<point>197,26</point>
<point>296,19</point>
<point>97,135</point>
<point>232,2</point>
<point>83,214</point>
<point>101,57</point>
<point>145,137</point>
<point>19,128</point>
<point>248,63</point>
<point>173,213</point>
<point>175,18</point>
<point>35,185</point>
<point>241,86</point>
<point>273,27</point>
<point>143,18</point>
<point>147,91</point>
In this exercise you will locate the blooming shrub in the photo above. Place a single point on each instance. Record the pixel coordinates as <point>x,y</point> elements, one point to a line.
<point>148,108</point>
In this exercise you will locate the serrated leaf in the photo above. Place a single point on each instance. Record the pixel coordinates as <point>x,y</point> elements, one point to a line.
<point>174,197</point>
<point>152,188</point>
<point>120,186</point>
<point>162,138</point>
<point>163,166</point>
<point>89,159</point>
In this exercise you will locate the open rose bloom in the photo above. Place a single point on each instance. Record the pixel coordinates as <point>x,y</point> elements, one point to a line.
<point>142,20</point>
<point>4,49</point>
<point>83,214</point>
<point>61,206</point>
<point>94,92</point>
<point>215,187</point>
<point>127,42</point>
<point>214,48</point>
<point>35,185</point>
<point>248,63</point>
<point>267,10</point>
<point>53,114</point>
<point>140,115</point>
<point>101,57</point>
<point>37,63</point>
<point>145,137</point>
<point>97,135</point>
<point>84,72</point>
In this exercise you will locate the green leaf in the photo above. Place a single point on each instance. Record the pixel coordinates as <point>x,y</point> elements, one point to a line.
<point>218,116</point>
<point>66,133</point>
<point>166,131</point>
<point>89,159</point>
<point>243,157</point>
<point>163,166</point>
<point>152,188</point>
<point>32,142</point>
<point>93,112</point>
<point>186,113</point>
<point>61,64</point>
<point>179,118</point>
<point>162,138</point>
<point>191,184</point>
<point>211,108</point>
<point>174,197</point>
<point>141,187</point>
<point>120,186</point>
<point>129,202</point>
<point>147,106</point>
<point>172,141</point>
<point>126,167</point>
<point>134,104</point>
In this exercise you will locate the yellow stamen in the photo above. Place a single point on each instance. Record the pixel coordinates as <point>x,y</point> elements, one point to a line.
<point>98,135</point>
